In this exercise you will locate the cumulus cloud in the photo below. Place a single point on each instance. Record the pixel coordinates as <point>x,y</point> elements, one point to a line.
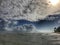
<point>10,24</point>
<point>27,9</point>
<point>23,28</point>
<point>27,28</point>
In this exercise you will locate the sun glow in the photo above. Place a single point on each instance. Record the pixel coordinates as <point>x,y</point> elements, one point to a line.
<point>54,2</point>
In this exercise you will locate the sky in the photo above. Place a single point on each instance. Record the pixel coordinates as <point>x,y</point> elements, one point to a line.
<point>27,9</point>
<point>42,13</point>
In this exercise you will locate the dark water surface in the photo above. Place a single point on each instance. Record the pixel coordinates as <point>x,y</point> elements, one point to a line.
<point>29,39</point>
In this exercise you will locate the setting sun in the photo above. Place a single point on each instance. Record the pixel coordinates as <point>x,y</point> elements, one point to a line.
<point>54,2</point>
